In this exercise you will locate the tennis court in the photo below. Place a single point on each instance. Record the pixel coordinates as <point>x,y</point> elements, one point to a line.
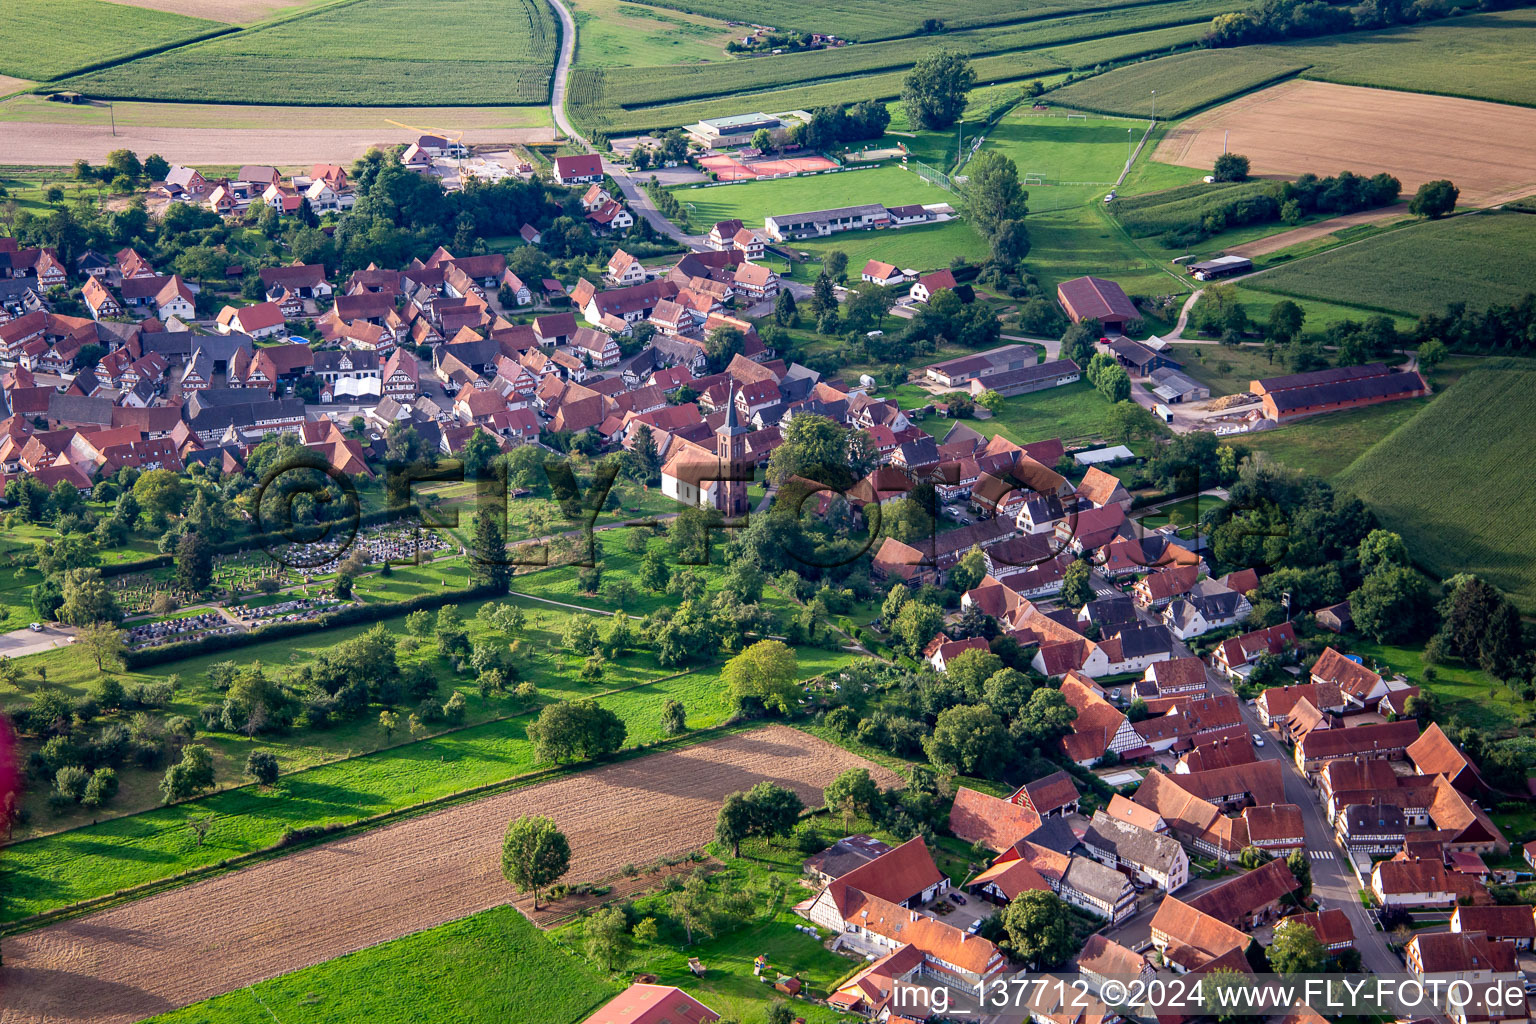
<point>728,168</point>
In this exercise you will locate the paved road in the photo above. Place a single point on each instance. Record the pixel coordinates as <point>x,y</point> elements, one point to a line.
<point>636,197</point>
<point>1332,879</point>
<point>21,642</point>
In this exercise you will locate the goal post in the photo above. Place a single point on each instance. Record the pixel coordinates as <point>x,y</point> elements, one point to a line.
<point>1080,117</point>
<point>1034,178</point>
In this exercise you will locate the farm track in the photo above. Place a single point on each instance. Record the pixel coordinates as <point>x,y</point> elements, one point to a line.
<point>196,942</point>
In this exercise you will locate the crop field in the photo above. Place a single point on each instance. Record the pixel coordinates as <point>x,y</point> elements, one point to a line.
<point>468,52</point>
<point>619,100</point>
<point>618,33</point>
<point>1488,149</point>
<point>1482,259</point>
<point>490,968</point>
<point>1455,480</point>
<point>1482,56</point>
<point>48,39</point>
<point>1157,212</point>
<point>234,12</point>
<point>1184,82</point>
<point>343,896</point>
<point>752,201</point>
<point>1063,149</point>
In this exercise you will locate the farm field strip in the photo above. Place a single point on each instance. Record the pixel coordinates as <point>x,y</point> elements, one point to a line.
<point>1184,82</point>
<point>1488,149</point>
<point>1480,56</point>
<point>195,942</point>
<point>376,52</point>
<point>595,101</point>
<point>1483,259</point>
<point>1455,480</point>
<point>43,40</point>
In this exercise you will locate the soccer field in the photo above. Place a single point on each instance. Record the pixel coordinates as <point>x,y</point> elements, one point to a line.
<point>1061,149</point>
<point>752,201</point>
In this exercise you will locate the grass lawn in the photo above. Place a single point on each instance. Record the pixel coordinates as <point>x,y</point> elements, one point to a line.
<point>618,33</point>
<point>923,248</point>
<point>1468,696</point>
<point>1482,259</point>
<point>1063,149</point>
<point>1226,370</point>
<point>1070,235</point>
<point>1319,314</point>
<point>1071,411</point>
<point>1455,482</point>
<point>1326,445</point>
<point>494,967</point>
<point>46,39</point>
<point>379,53</point>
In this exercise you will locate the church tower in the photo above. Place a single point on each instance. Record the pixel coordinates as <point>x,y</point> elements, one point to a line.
<point>731,446</point>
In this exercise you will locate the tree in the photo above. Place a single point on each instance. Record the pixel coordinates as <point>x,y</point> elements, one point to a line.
<point>580,635</point>
<point>969,571</point>
<point>1382,549</point>
<point>1296,949</point>
<point>194,563</point>
<point>784,312</point>
<point>489,565</point>
<point>101,787</point>
<point>1392,603</point>
<point>262,766</point>
<point>775,809</point>
<point>1230,167</point>
<point>1077,585</point>
<point>1285,321</point>
<point>124,162</point>
<point>1046,718</point>
<point>852,792</point>
<point>1432,353</point>
<point>693,907</point>
<point>103,642</point>
<point>1434,199</point>
<point>968,738</point>
<point>192,774</point>
<point>576,728</point>
<point>1222,997</point>
<point>733,823</point>
<point>534,854</point>
<point>654,572</point>
<point>1301,870</point>
<point>992,195</point>
<point>1039,929</point>
<point>87,599</point>
<point>674,718</point>
<point>767,670</point>
<point>607,931</point>
<point>389,721</point>
<point>934,92</point>
<point>835,263</point>
<point>762,140</point>
<point>1114,384</point>
<point>916,624</point>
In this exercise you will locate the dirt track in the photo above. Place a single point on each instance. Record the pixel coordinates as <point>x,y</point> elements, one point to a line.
<point>29,142</point>
<point>1487,149</point>
<point>1285,239</point>
<point>166,951</point>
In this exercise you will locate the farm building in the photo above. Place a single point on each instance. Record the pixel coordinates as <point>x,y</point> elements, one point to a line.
<point>1093,298</point>
<point>954,373</point>
<point>653,1004</point>
<point>1172,386</point>
<point>1029,378</point>
<point>1332,375</point>
<point>1294,403</point>
<point>1139,360</point>
<point>820,223</point>
<point>1221,266</point>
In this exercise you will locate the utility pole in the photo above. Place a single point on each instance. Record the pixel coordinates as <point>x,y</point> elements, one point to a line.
<point>1128,133</point>
<point>112,110</point>
<point>1154,105</point>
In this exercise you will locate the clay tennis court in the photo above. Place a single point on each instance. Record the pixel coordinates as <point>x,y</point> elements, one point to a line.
<point>728,168</point>
<point>188,944</point>
<point>1487,149</point>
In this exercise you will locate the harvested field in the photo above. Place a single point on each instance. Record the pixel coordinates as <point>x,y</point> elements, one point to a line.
<point>188,944</point>
<point>1487,149</point>
<point>232,12</point>
<point>10,85</point>
<point>1295,236</point>
<point>38,143</point>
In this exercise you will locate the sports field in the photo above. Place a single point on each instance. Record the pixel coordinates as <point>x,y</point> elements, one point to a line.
<point>1488,149</point>
<point>1058,149</point>
<point>1482,56</point>
<point>1482,259</point>
<point>752,201</point>
<point>47,39</point>
<point>466,52</point>
<point>1455,480</point>
<point>1183,83</point>
<point>728,168</point>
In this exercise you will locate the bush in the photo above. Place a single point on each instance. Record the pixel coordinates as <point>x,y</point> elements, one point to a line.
<point>70,781</point>
<point>262,766</point>
<point>101,788</point>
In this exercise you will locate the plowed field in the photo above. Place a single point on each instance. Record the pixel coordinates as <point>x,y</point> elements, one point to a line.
<point>131,962</point>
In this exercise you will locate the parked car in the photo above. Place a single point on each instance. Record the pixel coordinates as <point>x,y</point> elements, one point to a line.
<point>973,927</point>
<point>36,627</point>
<point>958,897</point>
<point>1258,740</point>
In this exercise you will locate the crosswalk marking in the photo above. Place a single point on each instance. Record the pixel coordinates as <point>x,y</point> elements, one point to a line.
<point>1320,854</point>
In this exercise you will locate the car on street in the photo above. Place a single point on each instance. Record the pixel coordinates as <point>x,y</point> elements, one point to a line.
<point>1258,740</point>
<point>36,627</point>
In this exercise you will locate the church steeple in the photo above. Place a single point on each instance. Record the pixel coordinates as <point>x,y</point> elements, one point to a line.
<point>731,447</point>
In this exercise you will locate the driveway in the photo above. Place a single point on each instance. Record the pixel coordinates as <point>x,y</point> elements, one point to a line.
<point>21,642</point>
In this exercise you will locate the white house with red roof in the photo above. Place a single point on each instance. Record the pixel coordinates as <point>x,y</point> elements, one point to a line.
<point>926,284</point>
<point>579,169</point>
